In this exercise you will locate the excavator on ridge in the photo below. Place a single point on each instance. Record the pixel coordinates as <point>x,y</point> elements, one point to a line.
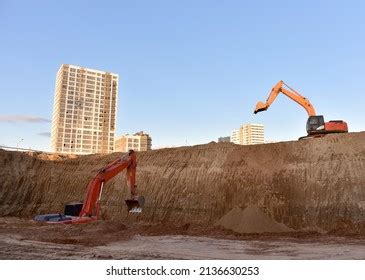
<point>316,126</point>
<point>89,210</point>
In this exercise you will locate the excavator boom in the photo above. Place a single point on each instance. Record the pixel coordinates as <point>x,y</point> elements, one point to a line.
<point>128,161</point>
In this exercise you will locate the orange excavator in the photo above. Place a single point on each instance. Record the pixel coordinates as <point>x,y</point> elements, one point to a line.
<point>316,127</point>
<point>77,213</point>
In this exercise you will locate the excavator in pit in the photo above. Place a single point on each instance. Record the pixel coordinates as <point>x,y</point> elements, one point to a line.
<point>78,213</point>
<point>316,126</point>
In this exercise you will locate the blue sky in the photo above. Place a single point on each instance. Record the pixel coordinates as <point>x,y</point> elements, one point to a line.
<point>190,71</point>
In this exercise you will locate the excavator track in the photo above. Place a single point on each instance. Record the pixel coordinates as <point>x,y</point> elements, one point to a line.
<point>311,136</point>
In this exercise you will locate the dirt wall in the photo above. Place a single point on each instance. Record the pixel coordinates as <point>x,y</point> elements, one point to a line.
<point>316,184</point>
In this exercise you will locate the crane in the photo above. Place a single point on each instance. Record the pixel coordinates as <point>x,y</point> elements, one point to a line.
<point>77,213</point>
<point>316,126</point>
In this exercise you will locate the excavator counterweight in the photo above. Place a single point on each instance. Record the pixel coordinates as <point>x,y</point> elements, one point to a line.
<point>316,126</point>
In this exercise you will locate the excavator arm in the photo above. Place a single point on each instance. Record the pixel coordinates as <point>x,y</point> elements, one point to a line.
<point>289,92</point>
<point>128,161</point>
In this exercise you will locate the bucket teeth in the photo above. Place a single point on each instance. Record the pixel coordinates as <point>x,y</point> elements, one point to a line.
<point>136,210</point>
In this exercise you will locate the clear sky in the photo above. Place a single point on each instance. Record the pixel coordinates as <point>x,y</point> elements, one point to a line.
<point>190,71</point>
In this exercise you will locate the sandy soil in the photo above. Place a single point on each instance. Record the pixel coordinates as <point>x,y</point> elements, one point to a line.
<point>190,247</point>
<point>299,199</point>
<point>251,220</point>
<point>24,239</point>
<point>317,184</point>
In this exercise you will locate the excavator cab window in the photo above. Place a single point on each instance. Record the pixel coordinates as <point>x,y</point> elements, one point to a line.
<point>315,123</point>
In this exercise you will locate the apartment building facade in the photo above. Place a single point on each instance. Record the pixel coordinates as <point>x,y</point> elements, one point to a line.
<point>84,111</point>
<point>235,137</point>
<point>249,134</point>
<point>139,141</point>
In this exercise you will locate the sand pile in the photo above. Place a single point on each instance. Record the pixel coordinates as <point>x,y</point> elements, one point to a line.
<point>251,220</point>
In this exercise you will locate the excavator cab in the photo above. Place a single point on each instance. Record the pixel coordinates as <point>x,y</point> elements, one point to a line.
<point>315,124</point>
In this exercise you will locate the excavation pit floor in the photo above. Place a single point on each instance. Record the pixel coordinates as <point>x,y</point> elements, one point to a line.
<point>24,239</point>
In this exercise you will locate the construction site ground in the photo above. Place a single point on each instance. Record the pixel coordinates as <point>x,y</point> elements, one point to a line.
<point>24,239</point>
<point>288,200</point>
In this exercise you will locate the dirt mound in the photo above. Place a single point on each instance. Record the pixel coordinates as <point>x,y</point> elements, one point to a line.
<point>302,184</point>
<point>50,156</point>
<point>251,220</point>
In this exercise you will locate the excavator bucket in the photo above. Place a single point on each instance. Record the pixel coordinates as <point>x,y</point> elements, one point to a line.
<point>260,106</point>
<point>135,205</point>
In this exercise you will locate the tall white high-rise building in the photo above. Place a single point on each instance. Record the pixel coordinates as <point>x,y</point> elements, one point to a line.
<point>248,134</point>
<point>84,112</point>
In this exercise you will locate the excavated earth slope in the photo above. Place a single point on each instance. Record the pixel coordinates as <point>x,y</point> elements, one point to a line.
<point>316,184</point>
